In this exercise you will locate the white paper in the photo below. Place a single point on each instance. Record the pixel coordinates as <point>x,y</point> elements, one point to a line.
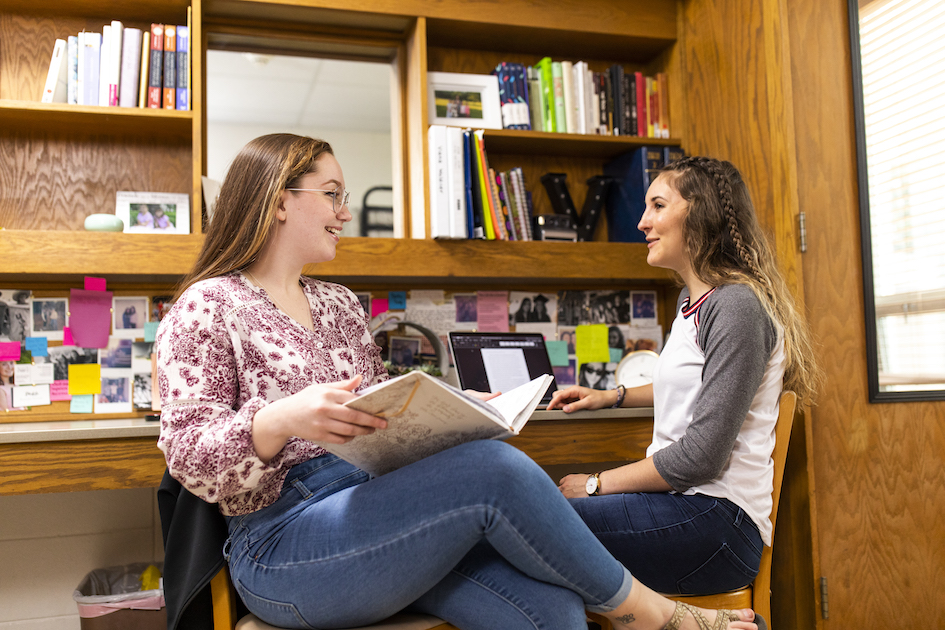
<point>30,395</point>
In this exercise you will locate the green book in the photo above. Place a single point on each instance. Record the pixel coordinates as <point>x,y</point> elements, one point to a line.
<point>561,113</point>
<point>547,90</point>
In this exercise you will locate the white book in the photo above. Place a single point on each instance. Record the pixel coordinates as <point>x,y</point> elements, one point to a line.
<point>590,109</point>
<point>113,68</point>
<point>580,123</point>
<point>456,183</point>
<point>130,67</point>
<point>439,207</point>
<point>72,46</point>
<point>103,65</point>
<point>56,89</point>
<point>90,47</point>
<point>567,76</point>
<point>425,416</point>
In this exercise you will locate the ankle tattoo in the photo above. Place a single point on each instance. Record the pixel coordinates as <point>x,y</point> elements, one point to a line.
<point>628,618</point>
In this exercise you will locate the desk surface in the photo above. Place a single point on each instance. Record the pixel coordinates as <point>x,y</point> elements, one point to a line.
<point>73,456</point>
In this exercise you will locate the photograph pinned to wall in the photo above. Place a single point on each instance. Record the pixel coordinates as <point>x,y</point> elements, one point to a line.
<point>600,376</point>
<point>403,350</point>
<point>160,305</point>
<point>643,308</point>
<point>117,355</point>
<point>565,374</point>
<point>645,338</point>
<point>62,357</point>
<point>609,307</point>
<point>115,396</point>
<point>572,308</point>
<point>141,392</point>
<point>568,334</point>
<point>7,383</point>
<point>14,314</point>
<point>464,100</point>
<point>618,339</point>
<point>141,356</point>
<point>49,317</point>
<point>153,212</point>
<point>527,307</point>
<point>365,300</point>
<point>466,311</point>
<point>129,315</point>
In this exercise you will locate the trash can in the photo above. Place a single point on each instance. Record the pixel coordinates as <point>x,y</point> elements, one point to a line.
<point>113,598</point>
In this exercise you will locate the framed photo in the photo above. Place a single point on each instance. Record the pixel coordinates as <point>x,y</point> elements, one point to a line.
<point>153,213</point>
<point>403,350</point>
<point>464,100</point>
<point>643,308</point>
<point>129,315</point>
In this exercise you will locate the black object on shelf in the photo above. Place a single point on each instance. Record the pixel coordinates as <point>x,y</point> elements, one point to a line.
<point>597,187</point>
<point>376,220</point>
<point>557,186</point>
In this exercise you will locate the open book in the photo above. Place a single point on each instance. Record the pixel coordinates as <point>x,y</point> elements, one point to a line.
<point>425,416</point>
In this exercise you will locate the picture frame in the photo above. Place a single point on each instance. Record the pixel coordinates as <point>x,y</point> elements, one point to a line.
<point>49,317</point>
<point>404,351</point>
<point>129,315</point>
<point>464,100</point>
<point>153,212</point>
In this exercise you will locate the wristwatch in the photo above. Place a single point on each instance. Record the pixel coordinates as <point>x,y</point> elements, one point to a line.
<point>592,485</point>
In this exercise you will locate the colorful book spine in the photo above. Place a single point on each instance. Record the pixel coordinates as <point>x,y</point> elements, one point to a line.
<point>130,67</point>
<point>474,194</point>
<point>569,95</point>
<point>183,68</point>
<point>169,89</point>
<point>488,211</point>
<point>548,94</point>
<point>561,116</point>
<point>641,104</point>
<point>156,70</point>
<point>56,89</point>
<point>664,103</point>
<point>536,100</point>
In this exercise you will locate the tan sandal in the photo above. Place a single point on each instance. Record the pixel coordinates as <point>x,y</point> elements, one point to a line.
<point>721,619</point>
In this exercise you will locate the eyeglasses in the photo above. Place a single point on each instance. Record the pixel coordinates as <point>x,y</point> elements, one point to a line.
<point>339,196</point>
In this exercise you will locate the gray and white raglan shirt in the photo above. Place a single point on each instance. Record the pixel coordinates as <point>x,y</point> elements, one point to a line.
<point>716,388</point>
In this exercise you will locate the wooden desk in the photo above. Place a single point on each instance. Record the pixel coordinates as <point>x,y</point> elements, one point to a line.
<point>38,457</point>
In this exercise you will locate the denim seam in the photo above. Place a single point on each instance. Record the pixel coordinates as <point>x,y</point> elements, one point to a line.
<point>501,596</point>
<point>665,527</point>
<point>272,602</point>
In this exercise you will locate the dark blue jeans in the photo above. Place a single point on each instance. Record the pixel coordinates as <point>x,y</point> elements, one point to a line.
<point>677,544</point>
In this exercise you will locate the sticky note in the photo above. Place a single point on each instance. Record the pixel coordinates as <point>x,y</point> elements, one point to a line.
<point>94,284</point>
<point>85,379</point>
<point>67,339</point>
<point>615,355</point>
<point>557,352</point>
<point>378,306</point>
<point>492,311</point>
<point>59,390</point>
<point>397,300</point>
<point>10,351</point>
<point>150,331</point>
<point>590,343</point>
<point>38,346</point>
<point>90,317</point>
<point>81,404</point>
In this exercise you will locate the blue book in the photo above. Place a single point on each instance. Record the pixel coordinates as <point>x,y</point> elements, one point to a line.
<point>633,171</point>
<point>473,201</point>
<point>183,68</point>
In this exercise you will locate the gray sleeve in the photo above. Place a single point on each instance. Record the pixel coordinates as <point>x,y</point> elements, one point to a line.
<point>737,337</point>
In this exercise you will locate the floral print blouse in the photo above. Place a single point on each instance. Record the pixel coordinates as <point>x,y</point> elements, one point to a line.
<point>224,351</point>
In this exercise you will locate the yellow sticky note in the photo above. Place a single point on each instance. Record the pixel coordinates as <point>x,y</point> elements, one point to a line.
<point>85,379</point>
<point>590,344</point>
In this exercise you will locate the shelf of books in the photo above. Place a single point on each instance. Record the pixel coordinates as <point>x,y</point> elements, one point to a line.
<point>63,119</point>
<point>527,142</point>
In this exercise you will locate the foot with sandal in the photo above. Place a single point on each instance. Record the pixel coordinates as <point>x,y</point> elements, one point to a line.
<point>647,609</point>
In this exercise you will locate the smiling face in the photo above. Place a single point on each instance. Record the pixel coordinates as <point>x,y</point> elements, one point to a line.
<point>309,227</point>
<point>663,224</point>
<point>7,370</point>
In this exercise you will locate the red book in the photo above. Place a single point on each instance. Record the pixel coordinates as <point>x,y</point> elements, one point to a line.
<point>156,69</point>
<point>642,116</point>
<point>170,67</point>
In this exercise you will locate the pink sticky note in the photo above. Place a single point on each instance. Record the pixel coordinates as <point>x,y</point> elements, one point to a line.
<point>94,284</point>
<point>67,339</point>
<point>90,317</point>
<point>493,311</point>
<point>378,306</point>
<point>59,390</point>
<point>10,351</point>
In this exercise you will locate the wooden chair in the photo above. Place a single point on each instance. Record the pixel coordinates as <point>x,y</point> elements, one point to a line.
<point>757,595</point>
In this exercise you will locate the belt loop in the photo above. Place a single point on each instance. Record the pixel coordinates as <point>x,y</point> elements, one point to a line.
<point>303,490</point>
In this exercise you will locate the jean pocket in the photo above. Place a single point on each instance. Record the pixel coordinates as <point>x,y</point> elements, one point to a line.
<point>724,571</point>
<point>274,612</point>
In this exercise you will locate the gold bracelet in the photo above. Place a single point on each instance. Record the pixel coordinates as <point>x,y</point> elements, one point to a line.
<point>621,393</point>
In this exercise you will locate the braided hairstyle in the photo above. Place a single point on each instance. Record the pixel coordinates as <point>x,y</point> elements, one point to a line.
<point>726,245</point>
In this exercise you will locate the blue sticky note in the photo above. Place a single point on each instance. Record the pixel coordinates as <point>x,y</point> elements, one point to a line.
<point>558,353</point>
<point>150,331</point>
<point>615,355</point>
<point>397,300</point>
<point>81,404</point>
<point>37,346</point>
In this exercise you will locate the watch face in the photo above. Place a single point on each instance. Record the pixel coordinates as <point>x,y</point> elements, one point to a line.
<point>590,486</point>
<point>636,368</point>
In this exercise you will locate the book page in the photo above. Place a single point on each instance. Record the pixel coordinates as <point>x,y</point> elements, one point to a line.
<point>516,406</point>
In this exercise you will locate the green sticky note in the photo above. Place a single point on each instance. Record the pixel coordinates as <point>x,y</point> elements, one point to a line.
<point>81,404</point>
<point>150,331</point>
<point>615,355</point>
<point>590,344</point>
<point>557,352</point>
<point>85,379</point>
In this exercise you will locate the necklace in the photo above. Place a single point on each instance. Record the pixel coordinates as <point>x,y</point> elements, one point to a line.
<point>270,294</point>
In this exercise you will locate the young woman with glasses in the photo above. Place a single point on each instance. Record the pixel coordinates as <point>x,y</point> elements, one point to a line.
<point>693,516</point>
<point>255,363</point>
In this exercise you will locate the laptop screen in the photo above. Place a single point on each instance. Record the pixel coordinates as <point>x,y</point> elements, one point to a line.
<point>499,362</point>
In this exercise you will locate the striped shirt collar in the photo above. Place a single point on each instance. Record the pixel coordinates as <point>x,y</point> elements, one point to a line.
<point>688,310</point>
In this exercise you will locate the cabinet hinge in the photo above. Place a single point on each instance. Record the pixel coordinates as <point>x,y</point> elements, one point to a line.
<point>802,231</point>
<point>824,606</point>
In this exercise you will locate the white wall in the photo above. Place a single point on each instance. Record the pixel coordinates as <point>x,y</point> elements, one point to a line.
<point>365,157</point>
<point>49,542</point>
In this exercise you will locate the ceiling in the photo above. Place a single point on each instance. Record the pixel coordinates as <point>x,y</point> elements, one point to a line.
<point>254,89</point>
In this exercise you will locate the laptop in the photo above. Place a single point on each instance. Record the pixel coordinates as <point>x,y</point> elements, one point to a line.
<point>499,362</point>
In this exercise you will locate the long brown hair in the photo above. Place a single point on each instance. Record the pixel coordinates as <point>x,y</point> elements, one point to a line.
<point>249,197</point>
<point>726,245</point>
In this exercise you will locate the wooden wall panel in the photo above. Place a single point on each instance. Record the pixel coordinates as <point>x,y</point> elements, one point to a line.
<point>879,468</point>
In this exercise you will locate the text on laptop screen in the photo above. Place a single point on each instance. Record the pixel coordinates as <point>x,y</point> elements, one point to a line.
<point>499,362</point>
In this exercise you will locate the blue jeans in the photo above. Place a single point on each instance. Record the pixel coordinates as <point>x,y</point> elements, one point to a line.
<point>478,535</point>
<point>674,543</point>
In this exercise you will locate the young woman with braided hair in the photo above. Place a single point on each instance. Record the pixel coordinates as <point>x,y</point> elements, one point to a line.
<point>692,517</point>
